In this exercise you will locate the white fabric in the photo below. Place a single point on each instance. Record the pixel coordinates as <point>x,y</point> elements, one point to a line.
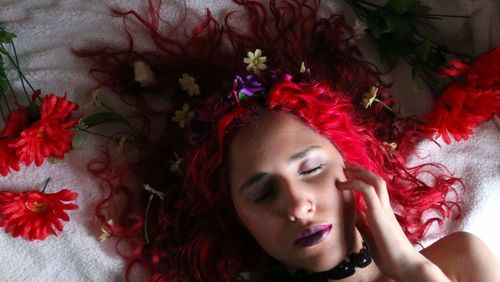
<point>46,30</point>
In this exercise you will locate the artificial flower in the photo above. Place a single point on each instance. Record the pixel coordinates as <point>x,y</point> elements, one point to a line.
<point>460,109</point>
<point>255,61</point>
<point>8,158</point>
<point>121,144</point>
<point>153,191</point>
<point>34,215</point>
<point>467,102</point>
<point>51,136</point>
<point>105,232</point>
<point>176,165</point>
<point>370,97</point>
<point>483,72</point>
<point>183,116</point>
<point>15,122</point>
<point>359,29</point>
<point>248,86</point>
<point>143,74</point>
<point>302,67</point>
<point>188,84</point>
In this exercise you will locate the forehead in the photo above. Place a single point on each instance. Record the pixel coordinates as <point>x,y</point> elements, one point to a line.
<point>271,138</point>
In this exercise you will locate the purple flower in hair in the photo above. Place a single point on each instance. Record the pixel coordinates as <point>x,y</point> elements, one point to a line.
<point>248,86</point>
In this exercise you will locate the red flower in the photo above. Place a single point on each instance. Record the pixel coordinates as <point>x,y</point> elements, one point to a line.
<point>33,215</point>
<point>51,136</point>
<point>16,122</point>
<point>466,103</point>
<point>8,158</point>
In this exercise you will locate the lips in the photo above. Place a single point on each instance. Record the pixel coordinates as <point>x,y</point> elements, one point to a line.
<point>313,235</point>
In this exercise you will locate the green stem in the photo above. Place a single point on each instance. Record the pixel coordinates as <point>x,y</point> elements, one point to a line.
<point>383,104</point>
<point>2,113</point>
<point>18,68</point>
<point>12,91</point>
<point>97,134</point>
<point>369,4</point>
<point>146,215</point>
<point>6,101</point>
<point>46,183</point>
<point>22,77</point>
<point>448,16</point>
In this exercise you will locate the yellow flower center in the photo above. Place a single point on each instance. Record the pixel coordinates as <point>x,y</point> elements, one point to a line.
<point>36,206</point>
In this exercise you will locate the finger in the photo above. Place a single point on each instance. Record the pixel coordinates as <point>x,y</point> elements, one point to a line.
<point>367,191</point>
<point>357,172</point>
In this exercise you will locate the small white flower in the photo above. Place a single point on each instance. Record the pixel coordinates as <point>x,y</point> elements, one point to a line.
<point>175,167</point>
<point>302,67</point>
<point>370,97</point>
<point>183,116</point>
<point>105,232</point>
<point>143,74</point>
<point>255,61</point>
<point>121,144</point>
<point>188,84</point>
<point>153,191</point>
<point>359,30</point>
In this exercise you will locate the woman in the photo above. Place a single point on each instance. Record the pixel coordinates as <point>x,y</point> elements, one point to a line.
<point>274,169</point>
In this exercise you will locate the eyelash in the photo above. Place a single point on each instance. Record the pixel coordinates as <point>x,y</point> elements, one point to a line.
<point>312,171</point>
<point>271,189</point>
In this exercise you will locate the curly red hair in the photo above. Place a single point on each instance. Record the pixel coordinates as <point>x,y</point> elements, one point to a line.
<point>194,232</point>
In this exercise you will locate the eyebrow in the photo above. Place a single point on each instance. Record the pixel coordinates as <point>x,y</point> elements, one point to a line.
<point>260,176</point>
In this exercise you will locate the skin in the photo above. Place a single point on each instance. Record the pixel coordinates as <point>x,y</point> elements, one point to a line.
<point>285,177</point>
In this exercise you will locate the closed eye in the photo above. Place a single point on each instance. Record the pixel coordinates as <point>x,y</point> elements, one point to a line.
<point>312,171</point>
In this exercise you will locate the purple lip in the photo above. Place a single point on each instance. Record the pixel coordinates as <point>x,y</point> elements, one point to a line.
<point>313,235</point>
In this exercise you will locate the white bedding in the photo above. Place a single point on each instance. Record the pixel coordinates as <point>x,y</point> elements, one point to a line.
<point>46,30</point>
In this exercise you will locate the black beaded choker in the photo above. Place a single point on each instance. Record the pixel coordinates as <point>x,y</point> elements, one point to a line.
<point>345,269</point>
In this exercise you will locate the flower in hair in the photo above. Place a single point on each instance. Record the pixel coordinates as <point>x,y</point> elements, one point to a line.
<point>255,61</point>
<point>248,86</point>
<point>370,97</point>
<point>188,84</point>
<point>176,165</point>
<point>302,67</point>
<point>153,191</point>
<point>183,116</point>
<point>143,74</point>
<point>34,215</point>
<point>105,232</point>
<point>359,29</point>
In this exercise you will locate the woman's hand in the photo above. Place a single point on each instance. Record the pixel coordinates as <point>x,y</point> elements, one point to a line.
<point>391,250</point>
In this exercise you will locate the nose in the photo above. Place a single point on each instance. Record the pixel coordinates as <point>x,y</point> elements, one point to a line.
<point>299,202</point>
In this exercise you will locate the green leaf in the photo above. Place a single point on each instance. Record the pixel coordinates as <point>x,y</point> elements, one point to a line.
<point>375,24</point>
<point>398,24</point>
<point>5,36</point>
<point>399,6</point>
<point>105,117</point>
<point>423,49</point>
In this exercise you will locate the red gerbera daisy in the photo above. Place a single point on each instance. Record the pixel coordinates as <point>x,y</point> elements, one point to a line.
<point>16,122</point>
<point>8,158</point>
<point>51,136</point>
<point>33,215</point>
<point>466,103</point>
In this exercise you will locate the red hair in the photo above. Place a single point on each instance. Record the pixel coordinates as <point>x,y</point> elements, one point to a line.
<point>194,232</point>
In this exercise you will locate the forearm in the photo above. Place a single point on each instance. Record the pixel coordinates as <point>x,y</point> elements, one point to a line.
<point>423,272</point>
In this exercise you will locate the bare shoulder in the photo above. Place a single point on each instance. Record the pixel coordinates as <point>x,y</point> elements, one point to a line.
<point>464,257</point>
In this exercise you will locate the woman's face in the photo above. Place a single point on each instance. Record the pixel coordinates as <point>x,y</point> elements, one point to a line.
<point>283,178</point>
